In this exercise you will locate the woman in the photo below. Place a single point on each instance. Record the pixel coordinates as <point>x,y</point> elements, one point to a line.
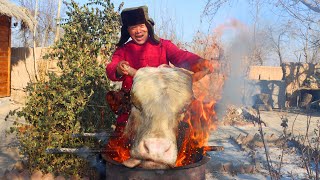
<point>144,49</point>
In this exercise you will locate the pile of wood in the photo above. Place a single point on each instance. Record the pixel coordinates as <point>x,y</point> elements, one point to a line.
<point>239,116</point>
<point>249,141</point>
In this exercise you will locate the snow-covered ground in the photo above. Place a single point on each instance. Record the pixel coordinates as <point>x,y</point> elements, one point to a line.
<point>235,162</point>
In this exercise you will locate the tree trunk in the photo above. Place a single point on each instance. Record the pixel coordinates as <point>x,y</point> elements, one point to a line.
<point>57,23</point>
<point>34,43</point>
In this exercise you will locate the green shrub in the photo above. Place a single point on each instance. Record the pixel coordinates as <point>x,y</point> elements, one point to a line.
<point>74,101</point>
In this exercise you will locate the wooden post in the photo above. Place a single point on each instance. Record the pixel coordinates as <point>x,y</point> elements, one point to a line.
<point>58,24</point>
<point>35,65</point>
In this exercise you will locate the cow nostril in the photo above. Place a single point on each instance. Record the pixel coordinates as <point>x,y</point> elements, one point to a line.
<point>168,148</point>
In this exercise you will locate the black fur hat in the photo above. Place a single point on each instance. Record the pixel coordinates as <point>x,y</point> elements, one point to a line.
<point>134,16</point>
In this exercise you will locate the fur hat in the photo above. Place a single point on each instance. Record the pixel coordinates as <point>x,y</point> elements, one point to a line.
<point>134,16</point>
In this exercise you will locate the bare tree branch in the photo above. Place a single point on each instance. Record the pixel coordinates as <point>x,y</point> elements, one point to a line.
<point>313,6</point>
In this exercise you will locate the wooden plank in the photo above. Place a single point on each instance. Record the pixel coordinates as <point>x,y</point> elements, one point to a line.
<point>4,37</point>
<point>5,31</point>
<point>4,72</point>
<point>9,61</point>
<point>4,69</point>
<point>4,63</point>
<point>4,46</point>
<point>4,54</point>
<point>4,75</point>
<point>4,19</point>
<point>3,79</point>
<point>4,58</point>
<point>4,34</point>
<point>3,89</point>
<point>4,28</point>
<point>3,85</point>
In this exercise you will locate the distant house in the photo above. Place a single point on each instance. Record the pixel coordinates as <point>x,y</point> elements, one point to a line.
<point>7,11</point>
<point>300,86</point>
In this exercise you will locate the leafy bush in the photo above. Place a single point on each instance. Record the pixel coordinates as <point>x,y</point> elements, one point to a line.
<point>74,101</point>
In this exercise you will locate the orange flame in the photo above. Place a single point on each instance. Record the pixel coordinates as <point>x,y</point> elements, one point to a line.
<point>199,118</point>
<point>118,148</point>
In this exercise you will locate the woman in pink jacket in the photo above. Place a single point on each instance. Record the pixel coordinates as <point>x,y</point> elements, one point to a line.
<point>144,49</point>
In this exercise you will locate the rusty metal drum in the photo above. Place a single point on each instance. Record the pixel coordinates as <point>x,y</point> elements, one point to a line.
<point>195,171</point>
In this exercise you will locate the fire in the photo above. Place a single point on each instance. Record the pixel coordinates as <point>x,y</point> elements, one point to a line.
<point>118,147</point>
<point>199,121</point>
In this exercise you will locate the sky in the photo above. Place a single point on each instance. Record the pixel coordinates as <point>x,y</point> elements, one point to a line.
<point>188,20</point>
<point>186,14</point>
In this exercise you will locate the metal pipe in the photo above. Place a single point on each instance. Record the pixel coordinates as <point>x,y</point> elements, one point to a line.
<point>76,150</point>
<point>95,135</point>
<point>87,150</point>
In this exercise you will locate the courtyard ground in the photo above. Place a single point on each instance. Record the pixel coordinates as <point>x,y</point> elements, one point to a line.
<point>239,160</point>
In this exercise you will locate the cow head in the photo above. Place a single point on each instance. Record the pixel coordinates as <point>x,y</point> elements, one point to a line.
<point>159,96</point>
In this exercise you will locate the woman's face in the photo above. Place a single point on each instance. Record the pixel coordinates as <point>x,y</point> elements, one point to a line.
<point>139,33</point>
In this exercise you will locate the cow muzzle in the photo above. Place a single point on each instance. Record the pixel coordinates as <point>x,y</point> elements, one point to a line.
<point>153,153</point>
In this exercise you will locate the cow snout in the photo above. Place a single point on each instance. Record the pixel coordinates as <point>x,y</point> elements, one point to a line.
<point>156,146</point>
<point>158,150</point>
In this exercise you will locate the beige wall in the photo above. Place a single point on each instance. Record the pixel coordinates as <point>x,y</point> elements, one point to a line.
<point>265,73</point>
<point>296,74</point>
<point>23,68</point>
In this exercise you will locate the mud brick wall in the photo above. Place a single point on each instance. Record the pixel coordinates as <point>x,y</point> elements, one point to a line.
<point>296,74</point>
<point>267,80</point>
<point>265,73</point>
<point>23,68</point>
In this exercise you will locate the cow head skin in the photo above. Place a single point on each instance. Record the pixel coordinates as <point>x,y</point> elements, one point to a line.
<point>159,96</point>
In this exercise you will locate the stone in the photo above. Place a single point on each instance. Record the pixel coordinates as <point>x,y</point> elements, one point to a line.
<point>60,178</point>
<point>19,166</point>
<point>25,175</point>
<point>48,176</point>
<point>37,175</point>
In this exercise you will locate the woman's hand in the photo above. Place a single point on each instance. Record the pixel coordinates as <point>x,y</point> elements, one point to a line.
<point>203,68</point>
<point>124,68</point>
<point>164,66</point>
<point>199,75</point>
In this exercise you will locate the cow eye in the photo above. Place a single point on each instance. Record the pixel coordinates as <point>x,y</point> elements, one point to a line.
<point>136,106</point>
<point>135,103</point>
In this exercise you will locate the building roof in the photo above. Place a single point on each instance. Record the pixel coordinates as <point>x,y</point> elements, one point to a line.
<point>9,9</point>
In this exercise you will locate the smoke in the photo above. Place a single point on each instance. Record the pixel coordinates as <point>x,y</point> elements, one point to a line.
<point>238,47</point>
